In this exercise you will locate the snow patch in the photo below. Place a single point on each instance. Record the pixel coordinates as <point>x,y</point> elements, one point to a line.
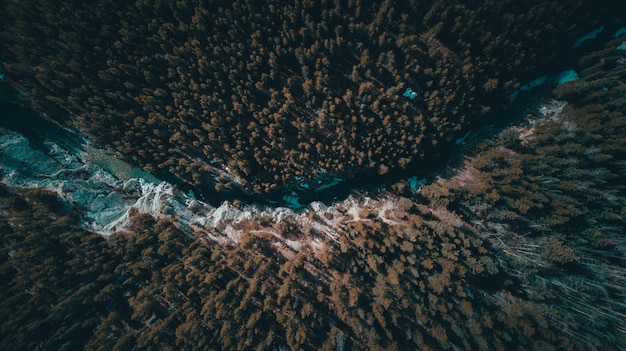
<point>386,212</point>
<point>551,111</point>
<point>355,212</point>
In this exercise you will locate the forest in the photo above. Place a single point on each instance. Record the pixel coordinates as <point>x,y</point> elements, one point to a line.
<point>518,245</point>
<point>261,94</point>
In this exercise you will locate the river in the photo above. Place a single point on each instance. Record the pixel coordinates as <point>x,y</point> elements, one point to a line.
<point>59,149</point>
<point>42,133</point>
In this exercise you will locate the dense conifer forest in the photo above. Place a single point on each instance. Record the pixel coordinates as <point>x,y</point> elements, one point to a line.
<point>262,94</point>
<point>518,246</point>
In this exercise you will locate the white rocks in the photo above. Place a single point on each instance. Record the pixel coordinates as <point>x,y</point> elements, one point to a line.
<point>108,203</point>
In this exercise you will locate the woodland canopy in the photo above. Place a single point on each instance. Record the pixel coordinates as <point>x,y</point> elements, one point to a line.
<point>259,94</point>
<point>520,247</point>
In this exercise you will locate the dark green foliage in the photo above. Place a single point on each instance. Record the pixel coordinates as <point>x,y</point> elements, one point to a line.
<point>49,281</point>
<point>521,249</point>
<point>153,288</point>
<point>548,195</point>
<point>273,92</point>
